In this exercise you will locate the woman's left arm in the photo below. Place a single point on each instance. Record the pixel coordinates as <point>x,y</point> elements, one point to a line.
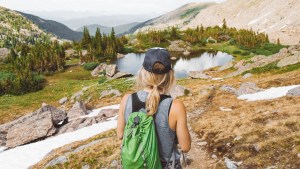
<point>121,119</point>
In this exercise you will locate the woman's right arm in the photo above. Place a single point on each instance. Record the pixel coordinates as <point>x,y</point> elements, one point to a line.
<point>121,119</point>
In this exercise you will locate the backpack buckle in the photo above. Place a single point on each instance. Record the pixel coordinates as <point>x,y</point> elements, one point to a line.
<point>136,121</point>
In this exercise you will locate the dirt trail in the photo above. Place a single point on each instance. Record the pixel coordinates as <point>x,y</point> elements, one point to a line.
<point>197,157</point>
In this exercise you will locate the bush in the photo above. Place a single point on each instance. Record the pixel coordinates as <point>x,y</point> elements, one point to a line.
<point>245,53</point>
<point>236,52</point>
<point>102,79</point>
<point>90,65</point>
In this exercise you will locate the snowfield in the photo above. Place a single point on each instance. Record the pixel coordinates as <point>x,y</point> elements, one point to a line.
<point>272,93</point>
<point>22,157</point>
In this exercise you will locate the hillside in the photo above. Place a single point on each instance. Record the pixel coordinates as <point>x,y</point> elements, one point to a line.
<point>178,17</point>
<point>56,28</point>
<point>105,29</point>
<point>16,28</point>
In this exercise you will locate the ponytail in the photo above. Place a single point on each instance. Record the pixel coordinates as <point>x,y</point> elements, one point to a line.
<point>153,101</point>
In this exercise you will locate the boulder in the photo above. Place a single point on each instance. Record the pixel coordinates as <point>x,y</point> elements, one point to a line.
<point>186,53</point>
<point>84,52</point>
<point>228,88</point>
<point>294,92</point>
<point>111,70</point>
<point>77,95</point>
<point>226,66</point>
<point>289,60</point>
<point>112,92</point>
<point>57,160</point>
<point>257,58</point>
<point>70,53</point>
<point>247,75</point>
<point>106,113</point>
<point>99,69</point>
<point>4,53</point>
<point>119,75</point>
<point>173,58</point>
<point>178,46</point>
<point>77,110</point>
<point>179,91</point>
<point>198,75</point>
<point>120,55</point>
<point>247,88</point>
<point>63,100</point>
<point>36,127</point>
<point>239,64</point>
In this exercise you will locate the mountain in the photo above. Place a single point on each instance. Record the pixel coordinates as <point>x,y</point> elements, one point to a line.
<point>179,17</point>
<point>105,29</point>
<point>16,28</point>
<point>278,18</point>
<point>56,28</point>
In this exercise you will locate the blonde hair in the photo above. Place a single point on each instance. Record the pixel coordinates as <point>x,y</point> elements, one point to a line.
<point>157,82</point>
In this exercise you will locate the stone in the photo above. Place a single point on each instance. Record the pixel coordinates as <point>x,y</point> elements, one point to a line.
<point>86,145</point>
<point>85,88</point>
<point>4,53</point>
<point>179,91</point>
<point>271,167</point>
<point>294,59</point>
<point>119,75</point>
<point>186,53</point>
<point>111,70</point>
<point>100,69</point>
<point>84,52</point>
<point>247,75</point>
<point>228,88</point>
<point>257,58</point>
<point>173,58</point>
<point>226,66</point>
<point>76,124</point>
<point>58,160</point>
<point>224,109</point>
<point>214,156</point>
<point>36,127</point>
<point>77,95</point>
<point>120,55</point>
<point>178,46</point>
<point>71,53</point>
<point>256,147</point>
<point>85,167</point>
<point>77,110</point>
<point>63,100</point>
<point>247,88</point>
<point>239,64</point>
<point>230,164</point>
<point>106,113</point>
<point>237,138</point>
<point>294,92</point>
<point>198,75</point>
<point>114,164</point>
<point>112,92</point>
<point>203,143</point>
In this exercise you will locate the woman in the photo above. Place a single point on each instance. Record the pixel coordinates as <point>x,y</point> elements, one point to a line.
<point>156,79</point>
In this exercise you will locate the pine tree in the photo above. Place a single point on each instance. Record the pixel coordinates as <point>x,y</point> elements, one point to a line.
<point>278,42</point>
<point>224,26</point>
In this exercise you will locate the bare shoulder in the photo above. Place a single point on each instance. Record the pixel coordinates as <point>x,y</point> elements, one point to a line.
<point>178,107</point>
<point>125,97</point>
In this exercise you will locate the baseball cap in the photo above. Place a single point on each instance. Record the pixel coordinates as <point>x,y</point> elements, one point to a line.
<point>157,55</point>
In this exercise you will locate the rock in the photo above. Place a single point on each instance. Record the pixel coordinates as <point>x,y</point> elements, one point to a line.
<point>77,124</point>
<point>4,53</point>
<point>119,75</point>
<point>225,109</point>
<point>99,69</point>
<point>230,164</point>
<point>237,138</point>
<point>63,100</point>
<point>228,88</point>
<point>77,110</point>
<point>214,156</point>
<point>58,160</point>
<point>298,155</point>
<point>111,70</point>
<point>226,66</point>
<point>106,113</point>
<point>247,88</point>
<point>84,52</point>
<point>247,75</point>
<point>113,92</point>
<point>71,53</point>
<point>86,145</point>
<point>294,92</point>
<point>36,127</point>
<point>186,53</point>
<point>85,167</point>
<point>120,55</point>
<point>271,167</point>
<point>239,64</point>
<point>203,143</point>
<point>114,164</point>
<point>173,58</point>
<point>77,95</point>
<point>178,46</point>
<point>256,147</point>
<point>257,58</point>
<point>44,104</point>
<point>179,91</point>
<point>289,60</point>
<point>198,75</point>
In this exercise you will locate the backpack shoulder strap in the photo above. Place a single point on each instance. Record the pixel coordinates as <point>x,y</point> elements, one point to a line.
<point>137,104</point>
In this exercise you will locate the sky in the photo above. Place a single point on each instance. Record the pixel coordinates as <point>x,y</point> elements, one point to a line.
<point>99,7</point>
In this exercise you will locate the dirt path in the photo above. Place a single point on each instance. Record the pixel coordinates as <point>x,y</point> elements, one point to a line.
<point>198,158</point>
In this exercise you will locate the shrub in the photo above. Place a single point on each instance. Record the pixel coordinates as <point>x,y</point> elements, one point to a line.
<point>245,53</point>
<point>90,65</point>
<point>102,79</point>
<point>236,52</point>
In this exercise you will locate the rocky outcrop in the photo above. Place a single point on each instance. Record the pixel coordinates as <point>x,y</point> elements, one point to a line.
<point>99,69</point>
<point>77,95</point>
<point>247,75</point>
<point>179,91</point>
<point>77,110</point>
<point>119,75</point>
<point>226,66</point>
<point>63,100</point>
<point>111,70</point>
<point>120,55</point>
<point>289,60</point>
<point>247,88</point>
<point>179,46</point>
<point>70,53</point>
<point>228,88</point>
<point>37,125</point>
<point>198,75</point>
<point>112,92</point>
<point>294,92</point>
<point>186,53</point>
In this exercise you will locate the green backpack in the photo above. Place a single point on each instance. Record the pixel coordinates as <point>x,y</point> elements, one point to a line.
<point>140,147</point>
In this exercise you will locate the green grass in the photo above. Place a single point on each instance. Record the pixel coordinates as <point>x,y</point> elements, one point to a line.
<point>272,68</point>
<point>58,85</point>
<point>191,12</point>
<point>266,49</point>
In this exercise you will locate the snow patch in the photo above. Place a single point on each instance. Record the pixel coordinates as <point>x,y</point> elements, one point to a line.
<point>272,93</point>
<point>258,19</point>
<point>2,149</point>
<point>27,155</point>
<point>95,112</point>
